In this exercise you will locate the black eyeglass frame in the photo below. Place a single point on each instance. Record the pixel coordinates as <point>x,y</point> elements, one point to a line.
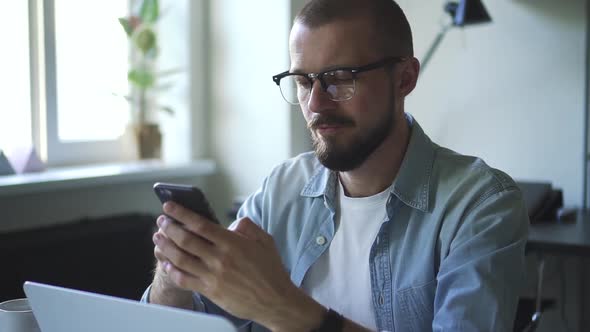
<point>353,70</point>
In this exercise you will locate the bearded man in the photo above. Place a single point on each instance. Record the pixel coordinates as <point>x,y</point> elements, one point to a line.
<point>378,228</point>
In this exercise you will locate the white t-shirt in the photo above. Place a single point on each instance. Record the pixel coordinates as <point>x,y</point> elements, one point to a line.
<point>340,278</point>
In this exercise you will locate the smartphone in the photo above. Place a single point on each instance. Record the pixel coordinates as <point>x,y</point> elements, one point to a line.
<point>190,197</point>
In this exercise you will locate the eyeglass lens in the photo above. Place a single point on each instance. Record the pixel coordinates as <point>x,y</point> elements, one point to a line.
<point>340,86</point>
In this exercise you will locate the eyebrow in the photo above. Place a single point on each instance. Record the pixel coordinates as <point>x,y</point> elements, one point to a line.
<point>296,71</point>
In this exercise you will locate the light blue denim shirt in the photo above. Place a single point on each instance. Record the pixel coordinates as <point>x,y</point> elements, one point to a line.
<point>448,257</point>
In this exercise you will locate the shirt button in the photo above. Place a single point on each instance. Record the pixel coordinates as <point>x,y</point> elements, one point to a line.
<point>320,240</point>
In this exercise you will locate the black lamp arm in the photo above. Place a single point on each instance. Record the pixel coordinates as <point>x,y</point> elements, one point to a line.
<point>434,46</point>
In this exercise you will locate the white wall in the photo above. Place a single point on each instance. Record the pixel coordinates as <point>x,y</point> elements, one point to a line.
<point>249,121</point>
<point>512,91</point>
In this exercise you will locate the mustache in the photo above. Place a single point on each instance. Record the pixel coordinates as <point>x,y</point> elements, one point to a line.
<point>330,120</point>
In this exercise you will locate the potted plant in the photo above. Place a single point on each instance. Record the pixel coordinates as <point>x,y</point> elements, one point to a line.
<point>143,76</point>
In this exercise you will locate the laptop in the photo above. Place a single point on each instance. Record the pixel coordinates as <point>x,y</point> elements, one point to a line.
<point>60,309</point>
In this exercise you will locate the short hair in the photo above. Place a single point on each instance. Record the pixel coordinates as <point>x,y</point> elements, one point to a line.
<point>390,23</point>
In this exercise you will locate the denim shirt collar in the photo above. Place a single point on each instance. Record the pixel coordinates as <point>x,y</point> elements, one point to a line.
<point>412,183</point>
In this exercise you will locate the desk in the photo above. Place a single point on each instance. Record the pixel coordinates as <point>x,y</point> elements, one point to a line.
<point>564,239</point>
<point>571,239</point>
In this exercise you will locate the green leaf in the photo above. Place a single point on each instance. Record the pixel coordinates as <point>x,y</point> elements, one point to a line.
<point>145,39</point>
<point>141,78</point>
<point>150,10</point>
<point>126,25</point>
<point>167,109</point>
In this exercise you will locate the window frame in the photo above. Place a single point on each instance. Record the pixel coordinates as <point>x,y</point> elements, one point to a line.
<point>44,101</point>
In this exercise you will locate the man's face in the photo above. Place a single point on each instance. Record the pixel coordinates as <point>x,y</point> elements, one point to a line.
<point>344,133</point>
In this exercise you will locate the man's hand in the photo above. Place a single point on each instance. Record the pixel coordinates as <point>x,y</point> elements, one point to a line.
<point>164,291</point>
<point>240,269</point>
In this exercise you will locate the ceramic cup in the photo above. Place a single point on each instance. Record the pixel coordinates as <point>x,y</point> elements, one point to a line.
<point>17,316</point>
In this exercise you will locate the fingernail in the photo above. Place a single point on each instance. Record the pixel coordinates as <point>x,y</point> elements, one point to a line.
<point>160,221</point>
<point>157,237</point>
<point>168,207</point>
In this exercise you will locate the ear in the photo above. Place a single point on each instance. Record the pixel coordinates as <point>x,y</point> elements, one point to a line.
<point>409,76</point>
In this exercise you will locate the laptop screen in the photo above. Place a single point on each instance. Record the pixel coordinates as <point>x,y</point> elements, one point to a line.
<point>59,309</point>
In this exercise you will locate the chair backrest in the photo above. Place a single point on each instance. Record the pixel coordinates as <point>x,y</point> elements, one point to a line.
<point>542,200</point>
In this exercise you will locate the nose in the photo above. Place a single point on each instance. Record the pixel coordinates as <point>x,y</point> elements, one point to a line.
<point>319,100</point>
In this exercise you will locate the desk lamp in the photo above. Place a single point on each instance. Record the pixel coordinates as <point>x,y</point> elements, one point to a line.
<point>464,12</point>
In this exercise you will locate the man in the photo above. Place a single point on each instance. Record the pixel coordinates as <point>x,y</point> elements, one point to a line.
<point>379,229</point>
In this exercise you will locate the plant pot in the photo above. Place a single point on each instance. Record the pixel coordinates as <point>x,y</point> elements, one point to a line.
<point>148,140</point>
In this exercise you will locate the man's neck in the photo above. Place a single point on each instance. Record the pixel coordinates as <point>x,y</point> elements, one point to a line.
<point>381,168</point>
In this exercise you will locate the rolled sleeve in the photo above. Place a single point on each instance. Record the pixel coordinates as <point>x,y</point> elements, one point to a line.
<point>198,304</point>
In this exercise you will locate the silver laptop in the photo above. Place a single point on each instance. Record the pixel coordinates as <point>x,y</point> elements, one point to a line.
<point>60,309</point>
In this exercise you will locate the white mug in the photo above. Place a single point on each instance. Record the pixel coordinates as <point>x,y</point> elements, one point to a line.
<point>17,316</point>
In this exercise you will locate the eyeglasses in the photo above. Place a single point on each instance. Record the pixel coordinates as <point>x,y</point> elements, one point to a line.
<point>339,83</point>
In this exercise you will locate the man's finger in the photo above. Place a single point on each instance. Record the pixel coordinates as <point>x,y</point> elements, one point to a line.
<point>184,239</point>
<point>159,255</point>
<point>157,252</point>
<point>195,222</point>
<point>249,229</point>
<point>184,280</point>
<point>181,259</point>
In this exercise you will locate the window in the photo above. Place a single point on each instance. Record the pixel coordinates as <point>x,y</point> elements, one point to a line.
<point>64,78</point>
<point>85,62</point>
<point>90,70</point>
<point>15,111</point>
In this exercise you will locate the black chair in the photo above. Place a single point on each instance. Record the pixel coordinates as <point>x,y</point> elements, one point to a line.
<point>529,311</point>
<point>543,205</point>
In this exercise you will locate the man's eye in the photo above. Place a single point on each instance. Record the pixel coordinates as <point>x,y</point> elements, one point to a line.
<point>301,81</point>
<point>338,75</point>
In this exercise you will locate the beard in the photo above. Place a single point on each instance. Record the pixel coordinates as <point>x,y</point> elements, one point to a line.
<point>347,156</point>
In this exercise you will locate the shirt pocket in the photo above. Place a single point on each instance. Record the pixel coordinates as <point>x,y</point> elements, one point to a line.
<point>415,306</point>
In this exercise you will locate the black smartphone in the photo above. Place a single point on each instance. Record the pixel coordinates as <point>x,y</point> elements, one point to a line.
<point>188,196</point>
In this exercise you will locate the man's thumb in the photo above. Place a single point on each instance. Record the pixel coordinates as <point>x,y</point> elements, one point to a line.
<point>248,228</point>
